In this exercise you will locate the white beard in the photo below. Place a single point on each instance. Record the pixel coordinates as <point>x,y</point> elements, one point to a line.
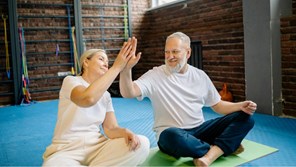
<point>177,68</point>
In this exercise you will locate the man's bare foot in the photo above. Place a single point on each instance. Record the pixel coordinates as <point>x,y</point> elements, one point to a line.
<point>239,150</point>
<point>200,162</point>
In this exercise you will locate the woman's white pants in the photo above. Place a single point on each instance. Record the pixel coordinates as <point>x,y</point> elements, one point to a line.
<point>95,150</point>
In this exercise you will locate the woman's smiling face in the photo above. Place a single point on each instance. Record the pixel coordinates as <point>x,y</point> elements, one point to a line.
<point>98,64</point>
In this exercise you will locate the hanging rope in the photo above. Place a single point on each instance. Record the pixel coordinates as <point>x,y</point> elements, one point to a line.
<point>6,47</point>
<point>76,59</point>
<point>25,77</point>
<point>57,49</point>
<point>71,41</point>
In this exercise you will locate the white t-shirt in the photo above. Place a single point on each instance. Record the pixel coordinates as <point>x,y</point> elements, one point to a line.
<point>74,121</point>
<point>177,99</point>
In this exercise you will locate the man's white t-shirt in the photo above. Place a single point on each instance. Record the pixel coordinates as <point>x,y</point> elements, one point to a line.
<point>177,99</point>
<point>73,121</point>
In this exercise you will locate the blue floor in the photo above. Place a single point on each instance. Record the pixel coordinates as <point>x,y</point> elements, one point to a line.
<point>25,131</point>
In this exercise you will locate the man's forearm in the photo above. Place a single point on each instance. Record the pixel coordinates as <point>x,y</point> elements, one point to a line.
<point>225,107</point>
<point>126,84</point>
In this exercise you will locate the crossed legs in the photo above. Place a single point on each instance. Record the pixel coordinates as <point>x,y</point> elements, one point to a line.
<point>216,137</point>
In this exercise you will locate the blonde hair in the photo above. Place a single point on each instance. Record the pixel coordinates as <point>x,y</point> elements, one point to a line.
<point>87,55</point>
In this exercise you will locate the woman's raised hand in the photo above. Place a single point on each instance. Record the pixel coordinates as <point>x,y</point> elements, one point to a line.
<point>124,54</point>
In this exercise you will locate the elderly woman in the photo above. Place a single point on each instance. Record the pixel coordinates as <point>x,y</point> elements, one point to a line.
<point>84,106</point>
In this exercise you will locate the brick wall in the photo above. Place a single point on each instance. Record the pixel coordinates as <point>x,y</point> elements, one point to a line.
<point>288,41</point>
<point>39,23</point>
<point>217,24</point>
<point>45,25</point>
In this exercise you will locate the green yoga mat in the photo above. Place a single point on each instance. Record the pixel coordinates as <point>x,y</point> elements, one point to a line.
<point>252,151</point>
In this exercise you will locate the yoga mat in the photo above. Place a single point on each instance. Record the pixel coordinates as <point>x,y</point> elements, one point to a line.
<point>252,151</point>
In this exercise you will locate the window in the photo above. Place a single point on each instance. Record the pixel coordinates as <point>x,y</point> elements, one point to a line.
<point>160,3</point>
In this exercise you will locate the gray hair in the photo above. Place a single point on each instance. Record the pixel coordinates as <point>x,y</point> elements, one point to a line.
<point>183,37</point>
